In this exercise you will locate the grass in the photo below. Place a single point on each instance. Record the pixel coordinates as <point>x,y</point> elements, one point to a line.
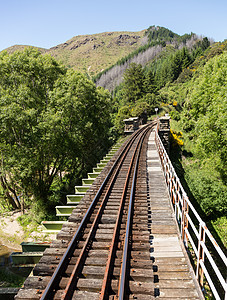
<point>15,239</point>
<point>31,224</point>
<point>98,50</point>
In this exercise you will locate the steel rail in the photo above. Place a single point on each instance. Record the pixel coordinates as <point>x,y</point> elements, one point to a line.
<point>56,277</point>
<point>110,259</point>
<point>78,266</point>
<point>123,272</point>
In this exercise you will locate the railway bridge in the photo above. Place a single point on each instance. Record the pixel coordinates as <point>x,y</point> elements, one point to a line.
<point>129,236</point>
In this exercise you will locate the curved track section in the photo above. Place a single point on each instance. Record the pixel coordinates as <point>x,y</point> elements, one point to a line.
<point>103,251</point>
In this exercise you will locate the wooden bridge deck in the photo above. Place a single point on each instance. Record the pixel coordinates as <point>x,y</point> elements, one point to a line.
<point>173,274</point>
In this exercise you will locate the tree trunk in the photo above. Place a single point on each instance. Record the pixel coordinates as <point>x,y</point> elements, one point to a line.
<point>11,200</point>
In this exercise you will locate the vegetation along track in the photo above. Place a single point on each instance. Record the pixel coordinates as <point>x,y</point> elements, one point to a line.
<point>108,256</point>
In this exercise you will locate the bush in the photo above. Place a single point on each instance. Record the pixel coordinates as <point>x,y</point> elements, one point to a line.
<point>174,115</point>
<point>210,192</point>
<point>175,138</point>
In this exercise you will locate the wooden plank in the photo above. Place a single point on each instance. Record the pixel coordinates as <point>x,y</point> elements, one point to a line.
<point>83,295</point>
<point>167,254</point>
<point>166,261</point>
<point>157,229</point>
<point>173,275</point>
<point>166,248</point>
<point>29,294</point>
<point>165,238</point>
<point>178,293</point>
<point>175,284</point>
<point>136,287</point>
<point>141,297</point>
<point>170,267</point>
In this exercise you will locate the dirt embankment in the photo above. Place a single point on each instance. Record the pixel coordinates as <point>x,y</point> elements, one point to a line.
<point>12,233</point>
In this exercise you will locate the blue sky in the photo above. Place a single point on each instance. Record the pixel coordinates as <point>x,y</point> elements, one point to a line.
<point>46,23</point>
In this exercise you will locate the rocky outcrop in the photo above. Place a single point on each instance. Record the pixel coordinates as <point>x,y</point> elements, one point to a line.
<point>82,43</point>
<point>124,39</point>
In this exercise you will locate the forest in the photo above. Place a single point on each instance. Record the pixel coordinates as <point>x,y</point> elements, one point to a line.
<point>189,85</point>
<point>56,123</point>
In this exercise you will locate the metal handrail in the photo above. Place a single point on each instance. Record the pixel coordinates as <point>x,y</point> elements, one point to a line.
<point>200,232</point>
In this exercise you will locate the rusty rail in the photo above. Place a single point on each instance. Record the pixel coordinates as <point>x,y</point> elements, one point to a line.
<point>194,231</point>
<point>55,279</point>
<point>121,290</point>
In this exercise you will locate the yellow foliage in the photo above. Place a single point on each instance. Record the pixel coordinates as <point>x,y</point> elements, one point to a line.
<point>176,138</point>
<point>164,104</point>
<point>174,103</point>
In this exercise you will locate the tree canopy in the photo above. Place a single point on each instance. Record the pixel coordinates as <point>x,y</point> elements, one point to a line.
<point>203,120</point>
<point>53,123</point>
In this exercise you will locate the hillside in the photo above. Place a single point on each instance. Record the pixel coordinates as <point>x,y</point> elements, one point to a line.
<point>14,48</point>
<point>93,53</point>
<point>158,40</point>
<point>188,83</point>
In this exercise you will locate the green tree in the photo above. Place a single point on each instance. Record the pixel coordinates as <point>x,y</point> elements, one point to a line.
<point>88,109</point>
<point>175,66</point>
<point>26,81</point>
<point>149,82</point>
<point>185,58</point>
<point>133,84</point>
<point>151,101</point>
<point>204,117</point>
<point>124,112</point>
<point>208,104</point>
<point>48,119</point>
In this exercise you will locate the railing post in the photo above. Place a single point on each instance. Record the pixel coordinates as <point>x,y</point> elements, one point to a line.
<point>184,221</point>
<point>171,194</point>
<point>200,254</point>
<point>177,206</point>
<point>171,187</point>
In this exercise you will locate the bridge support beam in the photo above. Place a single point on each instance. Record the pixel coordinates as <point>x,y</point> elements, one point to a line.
<point>164,131</point>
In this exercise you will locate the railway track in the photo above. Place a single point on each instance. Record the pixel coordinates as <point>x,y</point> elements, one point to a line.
<point>103,252</point>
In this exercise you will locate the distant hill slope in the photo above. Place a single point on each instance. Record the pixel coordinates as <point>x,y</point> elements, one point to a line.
<point>93,53</point>
<point>158,39</point>
<point>14,48</point>
<point>105,56</point>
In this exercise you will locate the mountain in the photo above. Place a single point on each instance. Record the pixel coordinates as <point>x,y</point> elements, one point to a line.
<point>158,40</point>
<point>105,56</point>
<point>93,53</point>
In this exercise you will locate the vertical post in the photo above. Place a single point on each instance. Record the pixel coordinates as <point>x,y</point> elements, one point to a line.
<point>164,130</point>
<point>156,111</point>
<point>199,270</point>
<point>177,202</point>
<point>182,217</point>
<point>184,221</point>
<point>172,194</point>
<point>171,188</point>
